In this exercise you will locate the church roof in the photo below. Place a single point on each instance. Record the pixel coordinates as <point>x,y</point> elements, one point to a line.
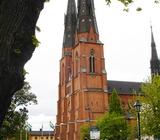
<point>123,87</point>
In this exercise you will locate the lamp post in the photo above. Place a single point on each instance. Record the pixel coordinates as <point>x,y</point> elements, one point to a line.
<point>137,106</point>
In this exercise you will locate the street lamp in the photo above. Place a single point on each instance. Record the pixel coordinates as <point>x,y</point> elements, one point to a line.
<point>137,106</point>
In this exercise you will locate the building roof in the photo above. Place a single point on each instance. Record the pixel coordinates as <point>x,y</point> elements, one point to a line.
<point>41,133</point>
<point>123,87</point>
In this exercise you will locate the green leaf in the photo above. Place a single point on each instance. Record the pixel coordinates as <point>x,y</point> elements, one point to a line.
<point>139,9</point>
<point>38,29</point>
<point>108,2</point>
<point>126,9</point>
<point>25,72</point>
<point>35,41</point>
<point>156,1</point>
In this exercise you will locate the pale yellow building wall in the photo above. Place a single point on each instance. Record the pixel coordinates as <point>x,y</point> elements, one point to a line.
<point>41,138</point>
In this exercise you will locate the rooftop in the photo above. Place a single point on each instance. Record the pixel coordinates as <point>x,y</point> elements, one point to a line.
<point>124,87</point>
<point>42,133</point>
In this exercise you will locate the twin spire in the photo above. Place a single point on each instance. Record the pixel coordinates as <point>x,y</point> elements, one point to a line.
<point>85,20</point>
<point>81,22</point>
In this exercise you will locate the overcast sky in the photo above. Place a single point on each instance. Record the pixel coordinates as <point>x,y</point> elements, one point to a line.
<point>126,38</point>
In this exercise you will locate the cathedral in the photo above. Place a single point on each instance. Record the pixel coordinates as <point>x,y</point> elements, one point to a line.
<point>84,89</point>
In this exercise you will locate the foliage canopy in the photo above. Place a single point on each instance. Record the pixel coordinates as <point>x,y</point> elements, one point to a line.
<point>113,125</point>
<point>150,114</point>
<point>17,114</point>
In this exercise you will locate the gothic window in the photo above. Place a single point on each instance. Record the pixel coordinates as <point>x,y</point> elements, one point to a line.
<point>76,64</point>
<point>69,105</point>
<point>62,74</point>
<point>68,90</point>
<point>92,61</point>
<point>69,74</point>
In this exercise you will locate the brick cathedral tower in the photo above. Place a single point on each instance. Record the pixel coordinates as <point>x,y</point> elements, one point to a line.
<point>82,80</point>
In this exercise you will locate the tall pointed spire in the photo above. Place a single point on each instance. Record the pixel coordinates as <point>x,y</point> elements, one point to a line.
<point>70,24</point>
<point>154,55</point>
<point>154,62</point>
<point>86,16</point>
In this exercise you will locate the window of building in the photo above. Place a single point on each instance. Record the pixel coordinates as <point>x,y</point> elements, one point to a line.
<point>62,74</point>
<point>76,64</point>
<point>35,138</point>
<point>46,137</point>
<point>69,74</point>
<point>51,137</point>
<point>92,61</point>
<point>68,90</point>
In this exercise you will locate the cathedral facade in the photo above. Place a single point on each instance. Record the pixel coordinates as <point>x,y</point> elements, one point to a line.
<point>84,89</point>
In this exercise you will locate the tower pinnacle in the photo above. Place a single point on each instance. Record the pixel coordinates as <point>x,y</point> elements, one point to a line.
<point>86,16</point>
<point>70,24</point>
<point>154,62</point>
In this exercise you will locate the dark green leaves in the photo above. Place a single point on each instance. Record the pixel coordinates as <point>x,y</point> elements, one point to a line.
<point>17,114</point>
<point>35,41</point>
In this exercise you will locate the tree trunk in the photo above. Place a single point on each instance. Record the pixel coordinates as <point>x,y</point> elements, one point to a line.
<point>17,27</point>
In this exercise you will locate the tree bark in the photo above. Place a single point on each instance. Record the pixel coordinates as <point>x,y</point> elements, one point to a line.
<point>17,27</point>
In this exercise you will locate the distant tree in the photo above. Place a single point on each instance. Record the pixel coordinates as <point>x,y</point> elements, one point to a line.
<point>17,43</point>
<point>114,103</point>
<point>84,132</point>
<point>17,115</point>
<point>150,113</point>
<point>113,125</point>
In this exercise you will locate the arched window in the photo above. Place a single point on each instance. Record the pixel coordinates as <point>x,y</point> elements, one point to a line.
<point>76,64</point>
<point>62,74</point>
<point>69,73</point>
<point>92,62</point>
